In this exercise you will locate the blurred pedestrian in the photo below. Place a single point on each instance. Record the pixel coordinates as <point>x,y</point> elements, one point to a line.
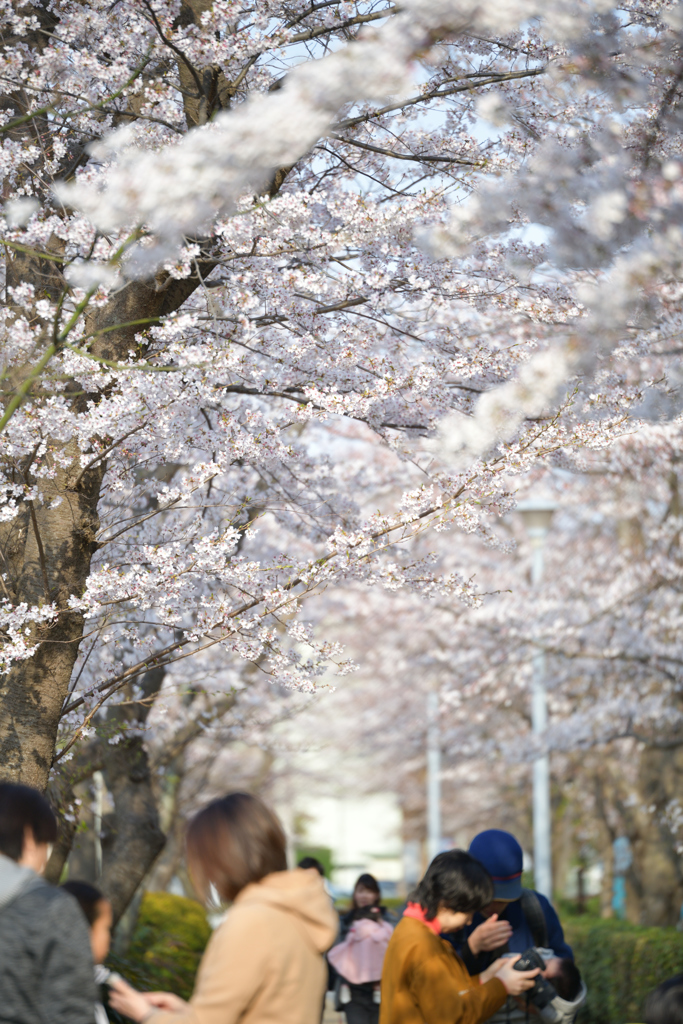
<point>312,862</point>
<point>46,967</point>
<point>263,962</point>
<point>424,981</point>
<point>366,898</point>
<point>98,913</point>
<point>664,1005</point>
<point>358,957</point>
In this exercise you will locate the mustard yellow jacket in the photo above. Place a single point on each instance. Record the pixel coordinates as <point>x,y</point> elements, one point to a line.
<point>424,981</point>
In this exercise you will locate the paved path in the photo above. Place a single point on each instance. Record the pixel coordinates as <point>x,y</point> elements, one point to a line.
<point>331,1016</point>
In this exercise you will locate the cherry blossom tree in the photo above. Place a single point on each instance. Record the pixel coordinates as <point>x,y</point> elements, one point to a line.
<point>233,235</point>
<point>606,619</point>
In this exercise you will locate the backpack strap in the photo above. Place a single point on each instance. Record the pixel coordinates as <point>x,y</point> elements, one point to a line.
<point>535,918</point>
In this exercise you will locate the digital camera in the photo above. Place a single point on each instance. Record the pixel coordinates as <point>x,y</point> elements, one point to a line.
<point>373,913</point>
<point>543,992</point>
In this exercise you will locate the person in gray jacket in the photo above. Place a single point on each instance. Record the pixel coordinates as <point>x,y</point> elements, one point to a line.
<point>46,967</point>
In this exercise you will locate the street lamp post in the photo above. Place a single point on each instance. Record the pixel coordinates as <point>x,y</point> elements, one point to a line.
<point>537,517</point>
<point>434,841</point>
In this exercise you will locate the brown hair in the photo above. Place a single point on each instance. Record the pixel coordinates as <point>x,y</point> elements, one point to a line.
<point>232,842</point>
<point>367,882</point>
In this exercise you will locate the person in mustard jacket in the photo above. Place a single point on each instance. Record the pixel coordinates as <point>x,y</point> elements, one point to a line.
<point>263,964</point>
<point>424,981</point>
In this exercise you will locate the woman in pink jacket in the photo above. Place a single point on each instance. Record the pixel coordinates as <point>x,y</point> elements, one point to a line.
<point>359,957</point>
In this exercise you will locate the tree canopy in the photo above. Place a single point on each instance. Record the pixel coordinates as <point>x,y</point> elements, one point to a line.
<point>289,287</point>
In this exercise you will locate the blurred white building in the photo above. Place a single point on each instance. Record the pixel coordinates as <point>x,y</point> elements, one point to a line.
<point>363,834</point>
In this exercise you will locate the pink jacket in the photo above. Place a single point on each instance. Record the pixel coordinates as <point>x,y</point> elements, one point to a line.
<point>359,958</point>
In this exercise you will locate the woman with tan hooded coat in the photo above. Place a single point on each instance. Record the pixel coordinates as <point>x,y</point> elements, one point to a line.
<point>263,964</point>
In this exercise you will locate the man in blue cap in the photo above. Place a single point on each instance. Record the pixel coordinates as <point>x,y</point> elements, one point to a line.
<point>517,918</point>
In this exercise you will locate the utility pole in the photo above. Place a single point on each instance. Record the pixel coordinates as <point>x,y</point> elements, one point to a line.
<point>537,517</point>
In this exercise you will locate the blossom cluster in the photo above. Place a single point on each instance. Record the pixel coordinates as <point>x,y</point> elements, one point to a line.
<point>281,306</point>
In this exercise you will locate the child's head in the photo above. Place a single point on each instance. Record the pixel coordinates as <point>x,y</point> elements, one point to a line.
<point>565,977</point>
<point>97,910</point>
<point>664,1005</point>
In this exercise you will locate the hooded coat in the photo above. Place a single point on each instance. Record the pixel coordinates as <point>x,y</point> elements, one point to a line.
<point>46,969</point>
<point>264,964</point>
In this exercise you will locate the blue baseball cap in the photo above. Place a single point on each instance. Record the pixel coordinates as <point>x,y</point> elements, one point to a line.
<point>502,856</point>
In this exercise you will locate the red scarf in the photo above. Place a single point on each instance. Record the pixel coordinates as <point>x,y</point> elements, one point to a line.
<point>420,914</point>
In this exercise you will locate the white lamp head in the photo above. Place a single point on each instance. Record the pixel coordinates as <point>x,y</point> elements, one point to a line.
<point>537,515</point>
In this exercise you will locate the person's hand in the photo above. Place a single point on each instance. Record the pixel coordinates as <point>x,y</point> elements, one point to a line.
<point>165,1001</point>
<point>126,1000</point>
<point>491,934</point>
<point>491,971</point>
<point>516,982</point>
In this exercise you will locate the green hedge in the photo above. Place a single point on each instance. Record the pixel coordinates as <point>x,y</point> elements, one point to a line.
<point>621,963</point>
<point>167,944</point>
<point>321,853</point>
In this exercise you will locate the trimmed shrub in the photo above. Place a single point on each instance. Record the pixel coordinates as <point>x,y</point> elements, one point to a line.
<point>321,853</point>
<point>621,964</point>
<point>167,945</point>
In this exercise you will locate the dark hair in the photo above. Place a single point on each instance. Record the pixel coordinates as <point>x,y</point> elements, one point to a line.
<point>22,807</point>
<point>368,882</point>
<point>88,897</point>
<point>454,880</point>
<point>234,841</point>
<point>664,1005</point>
<point>567,980</point>
<point>312,862</point>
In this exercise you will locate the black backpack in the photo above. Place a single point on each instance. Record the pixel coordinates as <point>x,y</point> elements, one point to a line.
<point>535,918</point>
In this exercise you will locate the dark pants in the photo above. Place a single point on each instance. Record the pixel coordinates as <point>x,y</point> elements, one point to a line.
<point>362,1009</point>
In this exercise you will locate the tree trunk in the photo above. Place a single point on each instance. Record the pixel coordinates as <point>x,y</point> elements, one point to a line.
<point>47,554</point>
<point>63,799</point>
<point>655,877</point>
<point>48,559</point>
<point>132,839</point>
<point>633,790</point>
